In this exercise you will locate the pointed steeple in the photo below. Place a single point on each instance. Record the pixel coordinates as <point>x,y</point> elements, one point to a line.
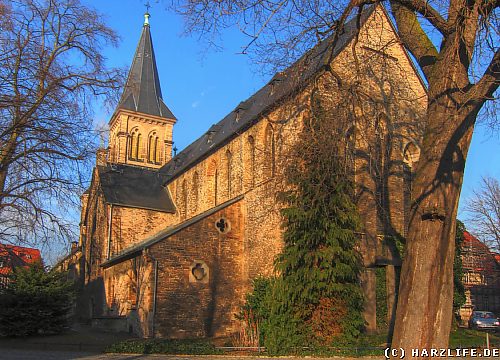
<point>142,91</point>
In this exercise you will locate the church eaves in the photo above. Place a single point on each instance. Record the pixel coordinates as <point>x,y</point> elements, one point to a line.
<point>142,92</point>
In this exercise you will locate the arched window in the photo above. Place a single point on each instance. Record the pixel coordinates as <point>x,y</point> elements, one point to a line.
<point>251,155</point>
<point>216,179</point>
<point>153,148</point>
<point>195,191</point>
<point>411,154</point>
<point>184,199</point>
<point>229,158</point>
<point>134,144</point>
<point>269,161</point>
<point>211,181</point>
<point>380,169</point>
<point>136,150</point>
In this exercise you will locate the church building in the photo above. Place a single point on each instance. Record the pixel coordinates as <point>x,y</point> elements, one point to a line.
<point>169,245</point>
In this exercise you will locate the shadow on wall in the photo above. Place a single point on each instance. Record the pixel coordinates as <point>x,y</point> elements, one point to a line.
<point>90,301</point>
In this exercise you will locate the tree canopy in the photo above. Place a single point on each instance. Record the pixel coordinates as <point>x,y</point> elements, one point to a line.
<point>52,71</point>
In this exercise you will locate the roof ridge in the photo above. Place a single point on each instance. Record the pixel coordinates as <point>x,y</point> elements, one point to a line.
<point>262,100</point>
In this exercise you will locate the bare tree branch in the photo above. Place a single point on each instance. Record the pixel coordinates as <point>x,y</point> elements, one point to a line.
<point>483,208</point>
<point>414,37</point>
<point>52,71</point>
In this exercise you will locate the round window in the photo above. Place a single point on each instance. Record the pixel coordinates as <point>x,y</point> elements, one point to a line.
<point>222,225</point>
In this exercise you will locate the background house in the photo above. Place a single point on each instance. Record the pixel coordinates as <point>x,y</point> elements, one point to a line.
<point>12,256</point>
<point>481,277</point>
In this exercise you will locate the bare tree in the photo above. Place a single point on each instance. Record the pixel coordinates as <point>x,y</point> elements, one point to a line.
<point>52,70</point>
<point>483,208</point>
<point>456,46</point>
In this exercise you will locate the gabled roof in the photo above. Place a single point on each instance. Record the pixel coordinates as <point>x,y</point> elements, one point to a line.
<point>13,256</point>
<point>249,111</point>
<point>132,186</point>
<point>142,92</point>
<point>476,256</point>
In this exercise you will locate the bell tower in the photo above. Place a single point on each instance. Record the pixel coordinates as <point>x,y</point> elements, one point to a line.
<point>141,126</point>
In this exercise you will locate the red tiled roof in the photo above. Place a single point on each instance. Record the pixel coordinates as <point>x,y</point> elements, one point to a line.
<point>12,256</point>
<point>476,255</point>
<point>472,241</point>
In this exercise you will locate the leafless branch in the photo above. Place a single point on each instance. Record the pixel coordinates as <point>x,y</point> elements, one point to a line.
<point>483,209</point>
<point>52,71</point>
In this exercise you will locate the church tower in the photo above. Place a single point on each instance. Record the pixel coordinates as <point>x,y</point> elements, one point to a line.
<point>141,126</point>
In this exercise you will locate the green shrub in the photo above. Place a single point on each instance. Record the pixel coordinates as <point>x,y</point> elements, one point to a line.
<point>35,302</point>
<point>157,346</point>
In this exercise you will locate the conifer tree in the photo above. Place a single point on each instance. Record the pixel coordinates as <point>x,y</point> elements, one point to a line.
<point>36,302</point>
<point>318,296</point>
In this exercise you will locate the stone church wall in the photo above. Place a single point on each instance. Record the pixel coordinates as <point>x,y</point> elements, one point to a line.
<point>186,307</point>
<point>132,225</point>
<point>93,228</point>
<point>129,293</point>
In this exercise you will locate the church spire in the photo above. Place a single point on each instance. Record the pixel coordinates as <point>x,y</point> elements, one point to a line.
<point>142,91</point>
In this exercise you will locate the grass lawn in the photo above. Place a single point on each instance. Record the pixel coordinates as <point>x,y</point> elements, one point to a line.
<point>465,338</point>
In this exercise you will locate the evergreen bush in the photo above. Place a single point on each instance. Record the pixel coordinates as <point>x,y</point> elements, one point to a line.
<point>35,302</point>
<point>316,300</point>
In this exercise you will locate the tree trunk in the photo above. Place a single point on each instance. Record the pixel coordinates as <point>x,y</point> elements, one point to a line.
<point>6,154</point>
<point>424,312</point>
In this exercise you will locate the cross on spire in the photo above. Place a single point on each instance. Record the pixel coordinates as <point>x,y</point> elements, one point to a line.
<point>146,15</point>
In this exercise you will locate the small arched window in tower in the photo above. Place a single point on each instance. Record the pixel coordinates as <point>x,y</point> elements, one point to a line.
<point>229,159</point>
<point>251,155</point>
<point>153,148</point>
<point>411,154</point>
<point>134,144</point>
<point>269,146</point>
<point>139,143</point>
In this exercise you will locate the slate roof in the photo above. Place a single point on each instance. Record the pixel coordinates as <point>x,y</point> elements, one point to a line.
<point>249,111</point>
<point>142,92</point>
<point>135,187</point>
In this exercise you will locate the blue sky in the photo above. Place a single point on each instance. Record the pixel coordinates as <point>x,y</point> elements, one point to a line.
<point>201,87</point>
